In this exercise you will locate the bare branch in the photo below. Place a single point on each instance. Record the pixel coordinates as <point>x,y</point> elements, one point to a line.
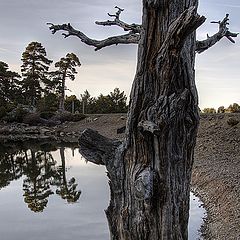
<point>134,28</point>
<point>134,31</point>
<point>98,44</point>
<point>201,46</point>
<point>130,38</point>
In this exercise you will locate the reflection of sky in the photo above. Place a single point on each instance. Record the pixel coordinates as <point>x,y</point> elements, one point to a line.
<point>82,220</point>
<point>25,21</point>
<point>195,217</point>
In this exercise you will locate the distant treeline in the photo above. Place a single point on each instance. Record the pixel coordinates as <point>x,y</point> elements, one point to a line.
<point>44,90</point>
<point>233,108</point>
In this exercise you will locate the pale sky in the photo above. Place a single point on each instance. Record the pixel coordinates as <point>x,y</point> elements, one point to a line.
<point>24,21</point>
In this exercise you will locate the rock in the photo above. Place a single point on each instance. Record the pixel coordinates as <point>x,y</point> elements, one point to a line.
<point>61,134</point>
<point>232,121</point>
<point>121,130</point>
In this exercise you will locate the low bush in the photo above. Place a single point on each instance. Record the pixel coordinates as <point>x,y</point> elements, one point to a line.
<point>3,112</point>
<point>47,114</point>
<point>33,119</point>
<point>16,115</point>
<point>67,116</point>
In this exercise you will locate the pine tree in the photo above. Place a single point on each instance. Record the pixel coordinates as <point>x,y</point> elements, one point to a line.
<point>34,70</point>
<point>9,85</point>
<point>66,69</point>
<point>118,101</point>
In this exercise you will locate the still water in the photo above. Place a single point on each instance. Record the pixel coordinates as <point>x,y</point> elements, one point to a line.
<point>49,193</point>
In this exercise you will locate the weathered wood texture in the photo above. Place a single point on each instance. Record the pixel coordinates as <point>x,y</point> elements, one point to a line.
<point>150,171</point>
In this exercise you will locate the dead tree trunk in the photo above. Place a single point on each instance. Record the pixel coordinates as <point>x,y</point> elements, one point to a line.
<point>150,171</point>
<point>61,107</point>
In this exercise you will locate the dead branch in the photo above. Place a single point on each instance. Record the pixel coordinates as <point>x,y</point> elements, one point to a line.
<point>130,38</point>
<point>134,32</point>
<point>133,28</point>
<point>201,46</point>
<point>96,148</point>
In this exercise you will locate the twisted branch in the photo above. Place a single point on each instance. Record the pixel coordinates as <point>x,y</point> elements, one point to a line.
<point>134,33</point>
<point>130,38</point>
<point>201,46</point>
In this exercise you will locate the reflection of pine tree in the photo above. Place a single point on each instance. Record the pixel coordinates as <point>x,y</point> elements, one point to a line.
<point>41,172</point>
<point>66,189</point>
<point>37,184</point>
<point>10,167</point>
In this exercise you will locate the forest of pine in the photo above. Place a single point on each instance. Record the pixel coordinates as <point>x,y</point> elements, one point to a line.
<point>44,91</point>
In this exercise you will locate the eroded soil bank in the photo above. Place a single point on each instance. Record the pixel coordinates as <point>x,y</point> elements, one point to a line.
<point>216,175</point>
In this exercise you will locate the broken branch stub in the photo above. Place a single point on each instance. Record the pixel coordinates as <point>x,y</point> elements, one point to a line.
<point>96,148</point>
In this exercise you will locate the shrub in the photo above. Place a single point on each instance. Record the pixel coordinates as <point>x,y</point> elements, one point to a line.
<point>3,112</point>
<point>234,108</point>
<point>47,114</point>
<point>209,110</point>
<point>67,116</point>
<point>32,119</point>
<point>16,115</point>
<point>78,117</point>
<point>221,109</point>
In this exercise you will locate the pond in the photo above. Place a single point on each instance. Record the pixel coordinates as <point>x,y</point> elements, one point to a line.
<point>49,192</point>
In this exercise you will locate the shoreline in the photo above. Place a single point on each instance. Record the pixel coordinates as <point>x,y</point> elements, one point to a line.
<point>216,175</point>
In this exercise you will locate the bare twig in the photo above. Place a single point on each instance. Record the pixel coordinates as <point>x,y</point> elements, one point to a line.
<point>134,28</point>
<point>201,46</point>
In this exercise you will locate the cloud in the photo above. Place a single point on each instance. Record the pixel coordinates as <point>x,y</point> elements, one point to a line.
<point>3,49</point>
<point>228,5</point>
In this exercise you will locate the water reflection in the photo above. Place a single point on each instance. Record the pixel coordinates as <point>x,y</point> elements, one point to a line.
<point>67,189</point>
<point>37,176</point>
<point>41,175</point>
